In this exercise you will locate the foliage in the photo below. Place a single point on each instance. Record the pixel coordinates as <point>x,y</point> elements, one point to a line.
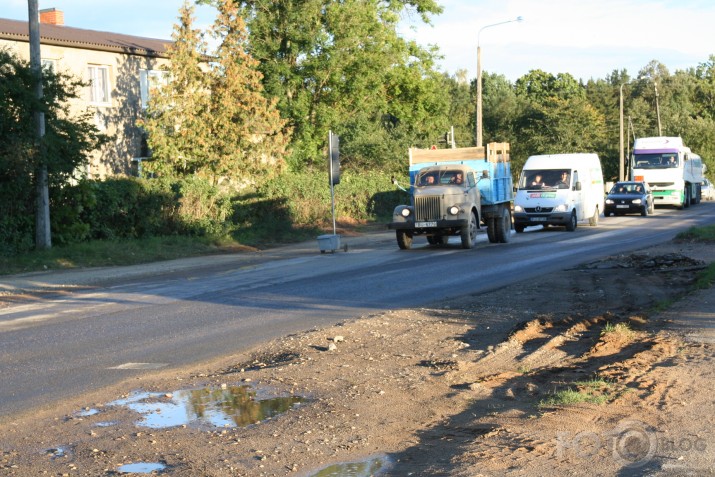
<point>65,148</point>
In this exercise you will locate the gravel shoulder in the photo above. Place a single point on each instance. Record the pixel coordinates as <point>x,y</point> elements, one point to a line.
<point>476,386</point>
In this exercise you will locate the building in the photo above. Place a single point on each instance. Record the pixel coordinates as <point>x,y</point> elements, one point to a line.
<point>120,70</point>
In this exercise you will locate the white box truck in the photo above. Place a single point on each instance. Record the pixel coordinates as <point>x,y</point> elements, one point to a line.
<point>559,189</point>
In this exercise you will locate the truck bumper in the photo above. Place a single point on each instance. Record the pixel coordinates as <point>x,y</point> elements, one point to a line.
<point>559,218</point>
<point>429,227</point>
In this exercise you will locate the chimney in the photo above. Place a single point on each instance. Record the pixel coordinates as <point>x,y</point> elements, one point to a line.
<point>52,16</point>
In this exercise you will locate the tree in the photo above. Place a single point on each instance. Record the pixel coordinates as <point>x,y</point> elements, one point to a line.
<point>67,144</point>
<point>177,116</point>
<point>248,134</point>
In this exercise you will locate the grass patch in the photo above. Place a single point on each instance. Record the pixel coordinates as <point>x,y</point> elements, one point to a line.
<point>622,329</point>
<point>593,391</point>
<point>704,233</point>
<point>103,253</point>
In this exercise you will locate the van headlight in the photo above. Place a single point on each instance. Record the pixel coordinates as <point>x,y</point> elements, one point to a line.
<point>454,210</point>
<point>561,208</point>
<point>518,208</point>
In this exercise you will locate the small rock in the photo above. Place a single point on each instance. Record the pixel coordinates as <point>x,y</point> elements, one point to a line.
<point>338,339</point>
<point>332,347</point>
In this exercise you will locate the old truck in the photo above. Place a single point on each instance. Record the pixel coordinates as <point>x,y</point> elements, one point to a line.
<point>453,192</point>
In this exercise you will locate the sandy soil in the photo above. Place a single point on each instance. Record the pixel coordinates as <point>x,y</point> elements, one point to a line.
<point>466,388</point>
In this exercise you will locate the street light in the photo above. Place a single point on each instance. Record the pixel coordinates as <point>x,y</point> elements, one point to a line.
<point>621,158</point>
<point>479,77</point>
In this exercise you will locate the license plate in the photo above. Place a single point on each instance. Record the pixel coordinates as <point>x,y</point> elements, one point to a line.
<point>538,219</point>
<point>622,206</point>
<point>425,224</point>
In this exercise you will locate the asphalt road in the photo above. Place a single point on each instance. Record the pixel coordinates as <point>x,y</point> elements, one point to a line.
<point>132,320</point>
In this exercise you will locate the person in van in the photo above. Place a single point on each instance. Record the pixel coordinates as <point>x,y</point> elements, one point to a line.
<point>538,181</point>
<point>563,183</point>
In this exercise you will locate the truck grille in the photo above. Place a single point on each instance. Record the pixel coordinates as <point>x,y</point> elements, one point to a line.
<point>427,208</point>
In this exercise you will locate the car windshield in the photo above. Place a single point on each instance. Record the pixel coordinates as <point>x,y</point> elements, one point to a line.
<point>627,188</point>
<point>545,179</point>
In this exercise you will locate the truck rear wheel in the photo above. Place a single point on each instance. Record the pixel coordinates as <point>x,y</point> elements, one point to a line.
<point>492,229</point>
<point>404,239</point>
<point>468,234</point>
<point>503,226</point>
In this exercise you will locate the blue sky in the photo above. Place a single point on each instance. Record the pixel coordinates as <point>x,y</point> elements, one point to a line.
<point>586,38</point>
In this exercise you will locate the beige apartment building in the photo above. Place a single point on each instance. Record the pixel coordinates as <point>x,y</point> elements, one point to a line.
<point>120,70</point>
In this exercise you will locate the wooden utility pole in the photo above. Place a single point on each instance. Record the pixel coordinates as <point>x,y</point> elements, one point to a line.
<point>43,239</point>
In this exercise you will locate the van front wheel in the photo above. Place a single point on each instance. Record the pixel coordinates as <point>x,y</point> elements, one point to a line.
<point>571,226</point>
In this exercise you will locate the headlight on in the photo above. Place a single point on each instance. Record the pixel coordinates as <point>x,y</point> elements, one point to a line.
<point>454,210</point>
<point>637,201</point>
<point>405,212</point>
<point>518,208</point>
<point>561,208</point>
<point>610,201</point>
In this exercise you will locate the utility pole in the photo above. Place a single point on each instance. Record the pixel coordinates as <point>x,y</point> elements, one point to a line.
<point>43,240</point>
<point>657,109</point>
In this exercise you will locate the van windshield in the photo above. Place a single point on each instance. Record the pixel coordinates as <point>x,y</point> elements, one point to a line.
<point>545,179</point>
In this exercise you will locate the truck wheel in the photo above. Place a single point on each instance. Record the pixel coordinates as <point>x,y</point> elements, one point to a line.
<point>503,226</point>
<point>519,228</point>
<point>469,232</point>
<point>404,239</point>
<point>492,230</point>
<point>571,226</point>
<point>686,202</point>
<point>593,221</point>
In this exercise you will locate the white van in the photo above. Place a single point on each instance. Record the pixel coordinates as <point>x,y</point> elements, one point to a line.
<point>559,189</point>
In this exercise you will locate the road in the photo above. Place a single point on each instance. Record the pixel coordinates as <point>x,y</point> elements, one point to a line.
<point>81,341</point>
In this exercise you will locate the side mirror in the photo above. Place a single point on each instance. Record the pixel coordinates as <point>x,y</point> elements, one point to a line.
<point>577,186</point>
<point>485,174</point>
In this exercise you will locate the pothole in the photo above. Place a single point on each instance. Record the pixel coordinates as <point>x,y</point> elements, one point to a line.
<point>230,406</point>
<point>374,466</point>
<point>141,468</point>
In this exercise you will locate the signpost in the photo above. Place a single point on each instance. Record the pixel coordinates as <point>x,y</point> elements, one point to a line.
<point>330,243</point>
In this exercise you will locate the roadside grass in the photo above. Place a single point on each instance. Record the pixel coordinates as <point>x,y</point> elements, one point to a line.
<point>593,391</point>
<point>622,329</point>
<point>705,234</point>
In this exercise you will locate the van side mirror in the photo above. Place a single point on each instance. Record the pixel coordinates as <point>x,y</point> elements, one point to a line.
<point>577,186</point>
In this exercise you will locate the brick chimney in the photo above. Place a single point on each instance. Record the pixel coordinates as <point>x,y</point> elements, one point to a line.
<point>52,16</point>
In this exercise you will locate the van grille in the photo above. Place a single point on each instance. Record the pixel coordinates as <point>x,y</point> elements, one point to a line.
<point>427,208</point>
<point>538,210</point>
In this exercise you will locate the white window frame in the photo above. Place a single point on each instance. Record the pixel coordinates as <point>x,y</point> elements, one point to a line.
<point>99,89</point>
<point>149,80</point>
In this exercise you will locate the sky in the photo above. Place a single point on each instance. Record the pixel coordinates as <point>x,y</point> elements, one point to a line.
<point>588,39</point>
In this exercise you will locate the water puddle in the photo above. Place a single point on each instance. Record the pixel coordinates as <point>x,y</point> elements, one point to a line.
<point>232,406</point>
<point>141,468</point>
<point>374,466</point>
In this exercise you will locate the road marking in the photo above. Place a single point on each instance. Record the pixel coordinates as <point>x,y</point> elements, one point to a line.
<point>139,366</point>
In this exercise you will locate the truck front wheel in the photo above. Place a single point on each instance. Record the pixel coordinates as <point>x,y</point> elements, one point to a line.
<point>469,232</point>
<point>404,239</point>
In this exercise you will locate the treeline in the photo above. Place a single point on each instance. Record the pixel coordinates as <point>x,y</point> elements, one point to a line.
<point>239,142</point>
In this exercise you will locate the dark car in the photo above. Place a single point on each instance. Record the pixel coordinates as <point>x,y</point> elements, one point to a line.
<point>629,198</point>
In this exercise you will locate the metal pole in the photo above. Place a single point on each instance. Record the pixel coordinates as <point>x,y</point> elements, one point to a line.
<point>332,187</point>
<point>479,78</point>
<point>621,157</point>
<point>657,109</point>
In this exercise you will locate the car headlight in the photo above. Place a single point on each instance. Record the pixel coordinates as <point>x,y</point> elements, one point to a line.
<point>454,210</point>
<point>405,212</point>
<point>636,201</point>
<point>609,201</point>
<point>561,208</point>
<point>518,208</point>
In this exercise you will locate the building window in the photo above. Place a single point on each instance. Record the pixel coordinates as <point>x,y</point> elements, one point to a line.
<point>50,65</point>
<point>98,84</point>
<point>150,80</point>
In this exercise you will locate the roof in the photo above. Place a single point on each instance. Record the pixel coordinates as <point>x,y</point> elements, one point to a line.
<point>61,35</point>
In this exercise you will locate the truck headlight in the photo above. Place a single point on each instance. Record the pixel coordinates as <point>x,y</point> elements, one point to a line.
<point>561,208</point>
<point>405,212</point>
<point>454,210</point>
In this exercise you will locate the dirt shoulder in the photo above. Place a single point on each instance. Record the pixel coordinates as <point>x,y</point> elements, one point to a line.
<point>576,373</point>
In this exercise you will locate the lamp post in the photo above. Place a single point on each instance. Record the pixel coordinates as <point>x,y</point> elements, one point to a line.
<point>621,158</point>
<point>479,77</point>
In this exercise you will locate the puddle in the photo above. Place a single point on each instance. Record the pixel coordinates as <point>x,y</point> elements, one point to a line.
<point>57,452</point>
<point>87,412</point>
<point>233,406</point>
<point>366,468</point>
<point>141,468</point>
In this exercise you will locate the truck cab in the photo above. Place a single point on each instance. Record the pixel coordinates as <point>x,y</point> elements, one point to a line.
<point>445,201</point>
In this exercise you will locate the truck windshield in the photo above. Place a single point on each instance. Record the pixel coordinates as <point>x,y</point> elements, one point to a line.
<point>545,179</point>
<point>655,161</point>
<point>434,178</point>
